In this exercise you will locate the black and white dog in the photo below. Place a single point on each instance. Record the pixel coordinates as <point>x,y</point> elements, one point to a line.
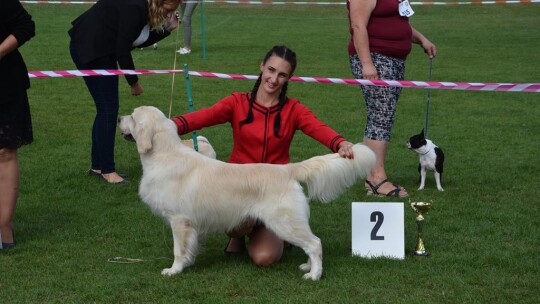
<point>431,158</point>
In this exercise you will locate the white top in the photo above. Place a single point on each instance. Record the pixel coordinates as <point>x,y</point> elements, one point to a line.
<point>143,36</point>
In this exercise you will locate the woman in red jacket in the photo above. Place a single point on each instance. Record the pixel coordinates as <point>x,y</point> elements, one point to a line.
<point>264,122</point>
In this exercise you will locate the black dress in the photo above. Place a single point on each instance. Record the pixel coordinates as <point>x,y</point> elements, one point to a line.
<point>15,119</point>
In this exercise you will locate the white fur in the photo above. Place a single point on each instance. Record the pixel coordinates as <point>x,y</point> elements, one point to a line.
<point>427,158</point>
<point>197,195</point>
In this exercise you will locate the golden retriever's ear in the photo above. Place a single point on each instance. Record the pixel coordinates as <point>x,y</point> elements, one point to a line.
<point>143,137</point>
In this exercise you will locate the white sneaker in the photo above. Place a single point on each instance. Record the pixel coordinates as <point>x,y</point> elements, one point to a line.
<point>183,51</point>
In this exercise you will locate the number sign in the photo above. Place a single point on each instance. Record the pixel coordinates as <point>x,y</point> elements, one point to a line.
<point>378,230</point>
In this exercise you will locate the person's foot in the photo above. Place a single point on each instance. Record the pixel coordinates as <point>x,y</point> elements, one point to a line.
<point>8,238</point>
<point>93,172</point>
<point>235,246</point>
<point>184,51</point>
<point>385,188</point>
<point>113,178</point>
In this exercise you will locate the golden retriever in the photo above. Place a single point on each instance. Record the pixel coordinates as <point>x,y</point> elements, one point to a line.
<point>197,195</point>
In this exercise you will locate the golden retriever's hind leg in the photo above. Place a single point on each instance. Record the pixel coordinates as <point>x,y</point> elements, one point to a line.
<point>185,245</point>
<point>299,234</point>
<point>313,248</point>
<point>306,267</point>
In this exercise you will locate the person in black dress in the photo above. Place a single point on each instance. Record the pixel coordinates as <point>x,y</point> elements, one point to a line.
<point>16,28</point>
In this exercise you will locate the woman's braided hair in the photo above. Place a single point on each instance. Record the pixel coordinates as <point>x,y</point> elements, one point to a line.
<point>287,54</point>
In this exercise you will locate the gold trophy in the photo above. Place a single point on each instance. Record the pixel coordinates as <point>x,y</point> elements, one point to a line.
<point>420,208</point>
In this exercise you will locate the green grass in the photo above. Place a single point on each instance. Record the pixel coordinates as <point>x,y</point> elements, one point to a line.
<point>482,232</point>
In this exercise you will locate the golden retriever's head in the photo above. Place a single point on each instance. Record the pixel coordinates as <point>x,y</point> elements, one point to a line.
<point>142,124</point>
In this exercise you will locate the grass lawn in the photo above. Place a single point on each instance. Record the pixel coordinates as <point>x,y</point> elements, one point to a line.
<point>482,233</point>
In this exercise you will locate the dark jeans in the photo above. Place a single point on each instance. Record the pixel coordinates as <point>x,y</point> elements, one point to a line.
<point>104,91</point>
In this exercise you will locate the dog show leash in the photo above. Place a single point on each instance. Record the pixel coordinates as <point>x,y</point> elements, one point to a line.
<point>428,98</point>
<point>122,260</point>
<point>174,62</point>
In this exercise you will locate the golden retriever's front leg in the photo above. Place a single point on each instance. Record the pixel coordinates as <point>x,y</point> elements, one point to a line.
<point>185,245</point>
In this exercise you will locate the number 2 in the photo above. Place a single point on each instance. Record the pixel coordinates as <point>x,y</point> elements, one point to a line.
<point>378,218</point>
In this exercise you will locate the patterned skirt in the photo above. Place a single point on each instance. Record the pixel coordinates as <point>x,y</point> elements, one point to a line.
<point>380,101</point>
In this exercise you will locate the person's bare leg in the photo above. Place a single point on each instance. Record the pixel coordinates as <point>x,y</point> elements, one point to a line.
<point>378,173</point>
<point>264,248</point>
<point>236,242</point>
<point>9,191</point>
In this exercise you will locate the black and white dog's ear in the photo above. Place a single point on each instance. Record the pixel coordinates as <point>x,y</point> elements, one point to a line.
<point>143,136</point>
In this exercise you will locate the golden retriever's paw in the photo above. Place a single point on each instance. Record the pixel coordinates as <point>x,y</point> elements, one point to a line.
<point>170,271</point>
<point>306,267</point>
<point>312,276</point>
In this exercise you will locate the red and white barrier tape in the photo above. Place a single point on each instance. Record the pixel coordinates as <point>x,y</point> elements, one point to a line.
<point>307,3</point>
<point>470,86</point>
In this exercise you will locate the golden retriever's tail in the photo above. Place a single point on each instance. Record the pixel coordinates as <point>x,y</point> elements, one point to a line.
<point>329,175</point>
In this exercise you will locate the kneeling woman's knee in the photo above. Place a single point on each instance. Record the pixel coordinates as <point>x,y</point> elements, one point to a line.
<point>265,248</point>
<point>265,258</point>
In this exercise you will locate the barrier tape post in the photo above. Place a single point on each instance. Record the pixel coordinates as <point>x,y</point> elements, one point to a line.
<point>190,102</point>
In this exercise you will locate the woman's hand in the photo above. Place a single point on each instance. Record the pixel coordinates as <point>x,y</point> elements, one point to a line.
<point>345,149</point>
<point>369,72</point>
<point>173,22</point>
<point>136,89</point>
<point>429,48</point>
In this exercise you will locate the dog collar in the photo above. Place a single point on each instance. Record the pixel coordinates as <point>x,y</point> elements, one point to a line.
<point>426,152</point>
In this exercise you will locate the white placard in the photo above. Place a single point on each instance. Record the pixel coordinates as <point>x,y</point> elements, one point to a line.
<point>378,230</point>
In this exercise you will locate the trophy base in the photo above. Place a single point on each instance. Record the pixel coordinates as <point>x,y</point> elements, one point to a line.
<point>421,253</point>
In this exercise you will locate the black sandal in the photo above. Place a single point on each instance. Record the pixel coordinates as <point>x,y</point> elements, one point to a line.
<point>374,190</point>
<point>287,246</point>
<point>7,246</point>
<point>237,252</point>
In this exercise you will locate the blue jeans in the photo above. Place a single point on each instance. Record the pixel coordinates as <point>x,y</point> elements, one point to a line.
<point>104,91</point>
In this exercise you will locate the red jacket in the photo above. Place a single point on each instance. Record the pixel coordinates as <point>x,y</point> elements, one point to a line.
<point>255,142</point>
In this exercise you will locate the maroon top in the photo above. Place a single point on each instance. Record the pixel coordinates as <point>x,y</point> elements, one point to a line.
<point>389,33</point>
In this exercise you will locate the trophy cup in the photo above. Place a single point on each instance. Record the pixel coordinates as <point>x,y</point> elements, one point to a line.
<point>420,208</point>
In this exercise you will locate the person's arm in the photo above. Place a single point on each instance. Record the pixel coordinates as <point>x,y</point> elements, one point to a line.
<point>20,26</point>
<point>8,45</point>
<point>360,11</point>
<point>420,39</point>
<point>219,113</point>
<point>318,130</point>
<point>132,19</point>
